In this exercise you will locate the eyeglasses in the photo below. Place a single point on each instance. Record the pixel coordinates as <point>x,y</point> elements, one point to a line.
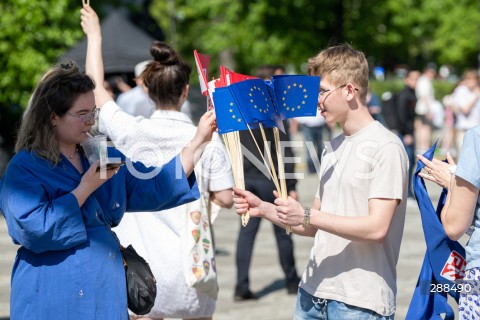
<point>87,117</point>
<point>322,92</point>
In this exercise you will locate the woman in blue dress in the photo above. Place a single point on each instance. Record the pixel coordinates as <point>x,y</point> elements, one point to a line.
<point>60,210</point>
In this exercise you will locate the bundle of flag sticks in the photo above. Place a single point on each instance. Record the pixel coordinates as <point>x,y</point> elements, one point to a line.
<point>242,100</point>
<point>234,148</point>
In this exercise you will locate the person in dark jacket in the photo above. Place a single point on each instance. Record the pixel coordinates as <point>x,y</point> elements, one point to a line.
<point>405,105</point>
<point>258,181</point>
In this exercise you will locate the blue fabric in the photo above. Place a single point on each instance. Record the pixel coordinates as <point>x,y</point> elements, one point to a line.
<point>229,117</point>
<point>469,305</point>
<point>309,307</point>
<point>69,265</point>
<point>468,168</point>
<point>426,304</point>
<point>254,102</point>
<point>296,95</point>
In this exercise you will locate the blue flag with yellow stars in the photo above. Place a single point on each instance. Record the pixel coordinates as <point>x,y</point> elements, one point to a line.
<point>254,102</point>
<point>296,95</point>
<point>229,117</point>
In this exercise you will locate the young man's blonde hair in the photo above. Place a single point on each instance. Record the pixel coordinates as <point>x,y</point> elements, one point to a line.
<point>342,64</point>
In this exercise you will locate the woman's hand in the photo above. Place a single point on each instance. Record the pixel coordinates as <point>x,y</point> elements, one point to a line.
<point>245,201</point>
<point>206,126</point>
<point>90,22</point>
<point>91,180</point>
<point>437,171</point>
<point>94,59</point>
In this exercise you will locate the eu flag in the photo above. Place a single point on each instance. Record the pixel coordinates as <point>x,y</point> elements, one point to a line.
<point>229,117</point>
<point>296,95</point>
<point>254,101</point>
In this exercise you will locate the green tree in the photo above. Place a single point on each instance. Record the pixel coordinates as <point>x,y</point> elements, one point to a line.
<point>243,34</point>
<point>250,32</point>
<point>33,35</point>
<point>416,32</point>
<point>391,32</point>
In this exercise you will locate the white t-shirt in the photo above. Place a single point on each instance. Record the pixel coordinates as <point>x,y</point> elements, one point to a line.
<point>462,96</point>
<point>425,95</point>
<point>316,121</point>
<point>369,164</point>
<point>136,102</point>
<point>156,236</point>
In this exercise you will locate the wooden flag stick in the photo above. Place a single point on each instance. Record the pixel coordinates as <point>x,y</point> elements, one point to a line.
<point>281,171</point>
<point>232,143</point>
<point>272,171</point>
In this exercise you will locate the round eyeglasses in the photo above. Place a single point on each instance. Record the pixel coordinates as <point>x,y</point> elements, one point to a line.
<point>325,93</point>
<point>87,117</point>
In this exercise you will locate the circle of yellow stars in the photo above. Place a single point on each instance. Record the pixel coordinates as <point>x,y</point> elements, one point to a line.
<point>295,88</point>
<point>252,100</point>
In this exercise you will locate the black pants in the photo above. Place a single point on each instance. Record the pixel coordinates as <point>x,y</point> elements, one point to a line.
<point>263,188</point>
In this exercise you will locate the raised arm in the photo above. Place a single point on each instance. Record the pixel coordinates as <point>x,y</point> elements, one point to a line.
<point>94,67</point>
<point>94,63</point>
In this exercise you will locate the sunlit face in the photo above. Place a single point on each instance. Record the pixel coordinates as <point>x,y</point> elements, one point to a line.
<point>330,101</point>
<point>73,127</point>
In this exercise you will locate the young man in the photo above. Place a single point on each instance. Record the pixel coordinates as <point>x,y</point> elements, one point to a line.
<point>358,214</point>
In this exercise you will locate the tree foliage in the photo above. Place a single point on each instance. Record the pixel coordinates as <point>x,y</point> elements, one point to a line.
<point>243,34</point>
<point>391,32</point>
<point>33,35</point>
<point>254,32</point>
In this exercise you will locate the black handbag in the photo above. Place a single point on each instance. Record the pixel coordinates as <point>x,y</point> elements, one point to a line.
<point>141,284</point>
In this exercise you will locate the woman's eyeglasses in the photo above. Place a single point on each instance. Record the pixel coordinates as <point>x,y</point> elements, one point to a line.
<point>87,117</point>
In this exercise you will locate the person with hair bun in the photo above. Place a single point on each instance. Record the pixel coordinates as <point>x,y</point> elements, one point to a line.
<point>159,236</point>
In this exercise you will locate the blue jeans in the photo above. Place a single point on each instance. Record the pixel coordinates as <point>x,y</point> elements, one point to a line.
<point>309,307</point>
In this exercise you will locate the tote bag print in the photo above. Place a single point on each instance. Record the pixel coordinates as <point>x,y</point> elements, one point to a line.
<point>200,269</point>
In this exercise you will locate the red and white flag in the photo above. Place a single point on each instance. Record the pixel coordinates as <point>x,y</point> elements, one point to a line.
<point>202,61</point>
<point>230,77</point>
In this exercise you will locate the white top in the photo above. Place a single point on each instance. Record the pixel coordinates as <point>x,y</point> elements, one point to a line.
<point>156,236</point>
<point>316,121</point>
<point>425,95</point>
<point>461,97</point>
<point>136,102</point>
<point>369,164</point>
